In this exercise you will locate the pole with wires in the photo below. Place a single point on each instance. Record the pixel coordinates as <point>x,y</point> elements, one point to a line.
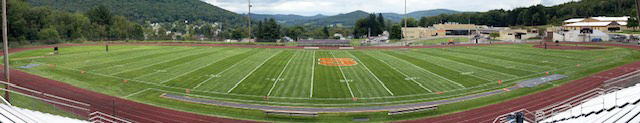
<point>6,49</point>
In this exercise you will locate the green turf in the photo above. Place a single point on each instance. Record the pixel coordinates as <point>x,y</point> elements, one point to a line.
<point>295,77</point>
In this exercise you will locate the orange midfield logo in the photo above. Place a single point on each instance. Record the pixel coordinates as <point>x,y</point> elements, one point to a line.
<point>337,62</point>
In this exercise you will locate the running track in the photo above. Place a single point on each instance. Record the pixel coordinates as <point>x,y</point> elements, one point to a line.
<point>145,113</point>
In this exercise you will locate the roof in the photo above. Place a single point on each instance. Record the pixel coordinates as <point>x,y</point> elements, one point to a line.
<point>574,20</point>
<point>595,23</point>
<point>625,18</point>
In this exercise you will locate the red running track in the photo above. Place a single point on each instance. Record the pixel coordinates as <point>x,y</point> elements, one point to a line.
<point>146,113</point>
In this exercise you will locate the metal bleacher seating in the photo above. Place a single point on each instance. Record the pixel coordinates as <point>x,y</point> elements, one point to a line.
<point>12,114</point>
<point>615,107</point>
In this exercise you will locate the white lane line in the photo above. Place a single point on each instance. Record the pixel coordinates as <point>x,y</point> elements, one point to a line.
<point>203,66</point>
<point>313,69</point>
<point>430,71</point>
<point>374,75</point>
<point>137,93</point>
<point>221,72</point>
<point>344,77</point>
<point>245,77</point>
<point>405,75</point>
<point>281,72</point>
<point>141,67</point>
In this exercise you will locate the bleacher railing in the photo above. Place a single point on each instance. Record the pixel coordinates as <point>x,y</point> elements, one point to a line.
<point>77,108</point>
<point>609,86</point>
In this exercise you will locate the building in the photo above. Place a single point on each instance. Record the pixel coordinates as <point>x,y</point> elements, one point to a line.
<point>604,24</point>
<point>448,29</point>
<point>517,34</point>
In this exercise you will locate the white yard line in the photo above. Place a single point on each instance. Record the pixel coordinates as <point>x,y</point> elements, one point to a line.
<point>141,67</point>
<point>137,93</point>
<point>245,77</point>
<point>344,77</point>
<point>313,69</point>
<point>203,66</point>
<point>148,54</point>
<point>225,70</point>
<point>454,62</point>
<point>374,75</point>
<point>405,75</point>
<point>429,71</point>
<point>281,72</point>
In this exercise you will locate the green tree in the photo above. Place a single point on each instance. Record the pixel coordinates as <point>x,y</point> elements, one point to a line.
<point>325,33</point>
<point>100,15</point>
<point>411,22</point>
<point>396,32</point>
<point>632,23</point>
<point>494,35</point>
<point>49,35</point>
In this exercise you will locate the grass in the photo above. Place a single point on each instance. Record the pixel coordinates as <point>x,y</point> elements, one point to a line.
<point>294,77</point>
<point>440,40</point>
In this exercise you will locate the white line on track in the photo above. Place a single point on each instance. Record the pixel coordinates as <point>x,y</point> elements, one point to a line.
<point>225,70</point>
<point>203,66</point>
<point>416,66</point>
<point>281,72</point>
<point>313,69</point>
<point>245,77</point>
<point>132,69</point>
<point>374,75</point>
<point>344,77</point>
<point>405,75</point>
<point>136,93</point>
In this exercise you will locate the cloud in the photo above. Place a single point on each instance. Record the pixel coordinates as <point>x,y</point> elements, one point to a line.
<point>332,7</point>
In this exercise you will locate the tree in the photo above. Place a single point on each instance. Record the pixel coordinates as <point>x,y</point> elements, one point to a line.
<point>411,22</point>
<point>100,15</point>
<point>632,23</point>
<point>268,31</point>
<point>49,35</point>
<point>396,32</point>
<point>325,33</point>
<point>295,33</point>
<point>381,20</point>
<point>494,35</point>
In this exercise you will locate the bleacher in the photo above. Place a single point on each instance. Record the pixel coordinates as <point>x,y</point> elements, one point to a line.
<point>615,107</point>
<point>12,114</point>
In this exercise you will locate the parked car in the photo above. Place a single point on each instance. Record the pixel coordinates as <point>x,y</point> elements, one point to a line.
<point>596,40</point>
<point>618,38</point>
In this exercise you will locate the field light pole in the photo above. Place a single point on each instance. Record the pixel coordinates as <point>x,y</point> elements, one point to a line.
<point>404,35</point>
<point>249,20</point>
<point>6,49</point>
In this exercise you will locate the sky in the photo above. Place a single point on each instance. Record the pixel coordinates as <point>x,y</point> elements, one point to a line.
<point>333,7</point>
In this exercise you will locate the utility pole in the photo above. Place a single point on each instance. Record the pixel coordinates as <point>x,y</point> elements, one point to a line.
<point>250,21</point>
<point>6,49</point>
<point>404,34</point>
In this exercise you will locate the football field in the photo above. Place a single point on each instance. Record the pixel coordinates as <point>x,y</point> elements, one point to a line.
<point>296,77</point>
